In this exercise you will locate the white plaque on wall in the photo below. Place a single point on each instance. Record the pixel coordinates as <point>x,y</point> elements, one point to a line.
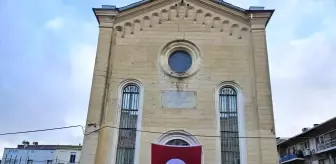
<point>179,99</point>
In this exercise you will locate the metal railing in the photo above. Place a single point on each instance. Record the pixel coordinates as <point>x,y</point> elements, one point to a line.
<point>288,157</point>
<point>326,145</point>
<point>326,141</point>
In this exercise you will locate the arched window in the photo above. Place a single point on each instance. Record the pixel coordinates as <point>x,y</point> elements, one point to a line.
<point>177,138</point>
<point>128,124</point>
<point>229,132</point>
<point>177,142</point>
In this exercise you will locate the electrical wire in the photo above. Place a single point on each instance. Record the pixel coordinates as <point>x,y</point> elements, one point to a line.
<point>42,130</point>
<point>154,132</point>
<point>142,131</point>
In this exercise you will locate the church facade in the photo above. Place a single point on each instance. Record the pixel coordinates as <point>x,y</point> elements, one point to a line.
<point>181,73</point>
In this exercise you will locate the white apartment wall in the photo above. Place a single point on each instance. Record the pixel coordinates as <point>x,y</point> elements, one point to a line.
<point>40,156</point>
<point>312,143</point>
<point>63,155</point>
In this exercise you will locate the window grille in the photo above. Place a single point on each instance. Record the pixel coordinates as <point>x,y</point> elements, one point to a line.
<point>177,142</point>
<point>128,124</point>
<point>229,126</point>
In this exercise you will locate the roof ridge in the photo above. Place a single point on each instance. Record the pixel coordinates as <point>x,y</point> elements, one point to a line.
<point>141,2</point>
<point>135,4</point>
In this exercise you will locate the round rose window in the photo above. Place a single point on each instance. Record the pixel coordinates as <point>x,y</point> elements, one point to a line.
<point>180,58</point>
<point>180,61</point>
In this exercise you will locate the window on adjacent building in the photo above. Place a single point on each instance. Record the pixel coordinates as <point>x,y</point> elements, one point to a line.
<point>319,140</point>
<point>228,109</point>
<point>320,143</point>
<point>49,161</point>
<point>128,124</point>
<point>72,157</point>
<point>30,162</point>
<point>304,145</point>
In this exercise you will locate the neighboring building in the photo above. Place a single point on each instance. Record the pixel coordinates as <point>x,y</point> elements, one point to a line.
<point>181,72</point>
<point>67,154</point>
<point>316,145</point>
<point>279,140</point>
<point>43,154</point>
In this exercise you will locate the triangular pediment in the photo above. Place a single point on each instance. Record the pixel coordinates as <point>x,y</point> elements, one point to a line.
<point>176,16</point>
<point>180,7</point>
<point>181,16</point>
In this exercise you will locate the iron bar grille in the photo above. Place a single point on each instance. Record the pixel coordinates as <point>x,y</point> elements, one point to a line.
<point>229,126</point>
<point>177,142</point>
<point>128,125</point>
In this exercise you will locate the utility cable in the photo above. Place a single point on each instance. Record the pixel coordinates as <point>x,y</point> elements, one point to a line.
<point>142,131</point>
<point>42,130</point>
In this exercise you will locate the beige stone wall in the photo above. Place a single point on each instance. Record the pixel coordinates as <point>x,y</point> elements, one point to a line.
<point>229,54</point>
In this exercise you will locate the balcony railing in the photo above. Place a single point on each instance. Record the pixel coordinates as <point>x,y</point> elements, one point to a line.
<point>328,144</point>
<point>290,157</point>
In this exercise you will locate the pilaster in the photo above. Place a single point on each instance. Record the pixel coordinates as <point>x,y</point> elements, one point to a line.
<point>97,137</point>
<point>263,93</point>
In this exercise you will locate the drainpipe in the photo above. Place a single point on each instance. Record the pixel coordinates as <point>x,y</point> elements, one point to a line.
<point>107,82</point>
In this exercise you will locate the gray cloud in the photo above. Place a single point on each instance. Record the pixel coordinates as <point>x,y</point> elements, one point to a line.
<point>46,78</point>
<point>302,69</point>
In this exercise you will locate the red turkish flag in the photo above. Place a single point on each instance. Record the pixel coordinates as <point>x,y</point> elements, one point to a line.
<point>161,154</point>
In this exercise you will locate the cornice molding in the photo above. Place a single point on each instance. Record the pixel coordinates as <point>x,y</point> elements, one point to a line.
<point>156,4</point>
<point>223,10</point>
<point>142,9</point>
<point>260,18</point>
<point>192,11</point>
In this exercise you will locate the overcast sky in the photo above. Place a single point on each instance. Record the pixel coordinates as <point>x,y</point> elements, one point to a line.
<point>47,51</point>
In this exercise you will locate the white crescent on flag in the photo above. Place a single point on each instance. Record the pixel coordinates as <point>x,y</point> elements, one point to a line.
<point>175,161</point>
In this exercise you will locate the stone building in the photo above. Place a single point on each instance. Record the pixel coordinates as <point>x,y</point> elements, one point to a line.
<point>181,72</point>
